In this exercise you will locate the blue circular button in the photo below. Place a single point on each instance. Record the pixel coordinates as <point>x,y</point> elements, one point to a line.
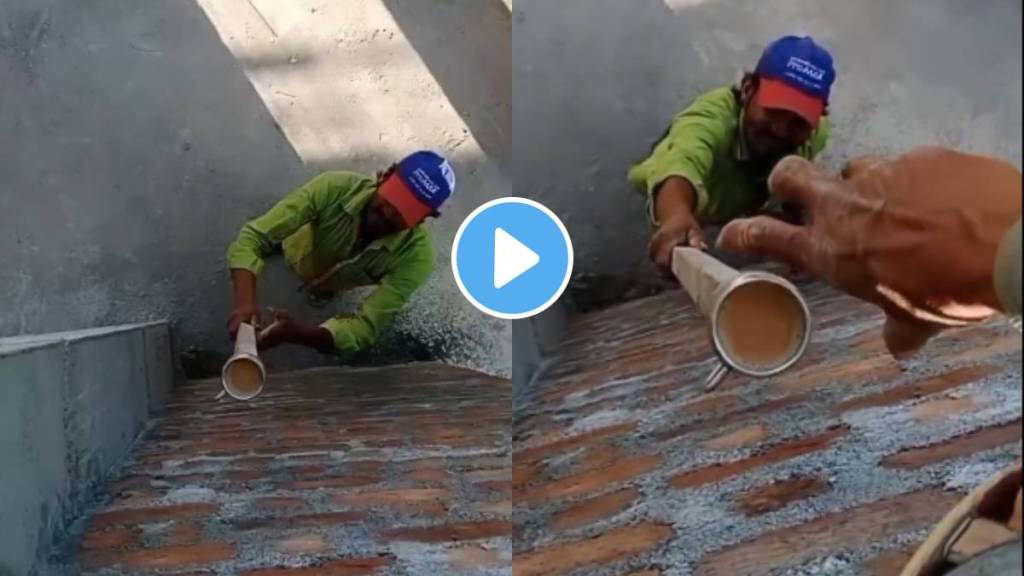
<point>512,258</point>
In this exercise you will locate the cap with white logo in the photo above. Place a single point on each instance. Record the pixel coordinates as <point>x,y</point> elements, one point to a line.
<point>422,182</point>
<point>796,74</point>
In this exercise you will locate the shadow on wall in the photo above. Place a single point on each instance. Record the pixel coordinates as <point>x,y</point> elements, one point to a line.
<point>134,149</point>
<point>466,46</point>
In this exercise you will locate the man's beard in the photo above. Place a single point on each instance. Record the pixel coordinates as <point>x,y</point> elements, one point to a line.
<point>767,159</point>
<point>767,162</point>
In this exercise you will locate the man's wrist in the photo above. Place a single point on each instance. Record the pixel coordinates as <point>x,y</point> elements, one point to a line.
<point>311,336</point>
<point>675,201</point>
<point>678,219</point>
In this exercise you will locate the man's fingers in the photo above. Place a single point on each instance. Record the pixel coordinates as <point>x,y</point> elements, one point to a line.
<point>796,179</point>
<point>861,165</point>
<point>905,336</point>
<point>770,238</point>
<point>695,238</point>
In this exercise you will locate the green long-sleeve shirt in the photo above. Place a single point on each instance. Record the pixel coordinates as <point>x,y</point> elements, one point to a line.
<point>316,227</point>
<point>705,146</point>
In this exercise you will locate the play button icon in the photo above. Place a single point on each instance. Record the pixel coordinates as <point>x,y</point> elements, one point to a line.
<point>512,258</point>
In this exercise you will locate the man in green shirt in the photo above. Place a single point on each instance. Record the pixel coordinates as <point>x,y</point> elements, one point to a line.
<point>713,162</point>
<point>339,231</point>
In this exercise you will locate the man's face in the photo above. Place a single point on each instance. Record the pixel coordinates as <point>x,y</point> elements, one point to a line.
<point>383,219</point>
<point>772,133</point>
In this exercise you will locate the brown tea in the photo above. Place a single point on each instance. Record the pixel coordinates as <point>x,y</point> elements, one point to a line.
<point>244,378</point>
<point>761,325</point>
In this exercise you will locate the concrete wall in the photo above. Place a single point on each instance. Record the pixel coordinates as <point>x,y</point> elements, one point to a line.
<point>139,136</point>
<point>71,405</point>
<point>597,81</point>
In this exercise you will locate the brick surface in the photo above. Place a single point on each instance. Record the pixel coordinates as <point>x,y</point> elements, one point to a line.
<point>942,408</point>
<point>150,515</point>
<point>775,476</point>
<point>410,498</point>
<point>588,482</point>
<point>776,495</point>
<point>977,441</point>
<point>322,475</point>
<point>162,558</point>
<point>848,528</point>
<point>475,557</point>
<point>778,453</point>
<point>452,532</point>
<point>343,567</point>
<point>593,509</point>
<point>597,457</point>
<point>183,533</point>
<point>612,546</point>
<point>303,544</point>
<point>889,563</point>
<point>915,389</point>
<point>282,503</point>
<point>301,521</point>
<point>738,438</point>
<point>113,538</point>
<point>333,482</point>
<point>565,444</point>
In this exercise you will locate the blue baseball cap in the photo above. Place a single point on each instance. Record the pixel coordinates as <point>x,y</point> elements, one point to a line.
<point>424,181</point>
<point>797,75</point>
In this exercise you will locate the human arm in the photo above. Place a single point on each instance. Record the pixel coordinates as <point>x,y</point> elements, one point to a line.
<point>285,330</point>
<point>352,333</point>
<point>257,239</point>
<point>243,283</point>
<point>919,235</point>
<point>674,177</point>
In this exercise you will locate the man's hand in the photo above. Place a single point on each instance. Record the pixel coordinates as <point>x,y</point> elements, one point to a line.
<point>917,235</point>
<point>684,230</point>
<point>281,329</point>
<point>284,330</point>
<point>245,313</point>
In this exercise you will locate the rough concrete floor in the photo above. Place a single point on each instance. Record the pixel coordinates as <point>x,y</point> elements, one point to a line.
<point>397,470</point>
<point>621,465</point>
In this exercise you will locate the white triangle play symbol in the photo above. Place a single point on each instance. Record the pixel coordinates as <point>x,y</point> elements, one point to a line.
<point>511,258</point>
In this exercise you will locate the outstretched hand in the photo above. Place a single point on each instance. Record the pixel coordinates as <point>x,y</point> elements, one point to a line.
<point>279,330</point>
<point>916,235</point>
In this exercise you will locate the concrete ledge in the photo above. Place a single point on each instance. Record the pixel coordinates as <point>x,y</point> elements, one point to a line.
<point>71,405</point>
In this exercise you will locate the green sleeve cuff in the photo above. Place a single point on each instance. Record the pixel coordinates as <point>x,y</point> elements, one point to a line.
<point>246,252</point>
<point>1008,271</point>
<point>348,334</point>
<point>248,262</point>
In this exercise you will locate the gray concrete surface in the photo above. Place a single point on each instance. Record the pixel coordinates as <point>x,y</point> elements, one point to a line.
<point>71,405</point>
<point>139,136</point>
<point>597,81</point>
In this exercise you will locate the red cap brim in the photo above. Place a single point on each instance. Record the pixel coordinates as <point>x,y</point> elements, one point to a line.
<point>779,95</point>
<point>394,191</point>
